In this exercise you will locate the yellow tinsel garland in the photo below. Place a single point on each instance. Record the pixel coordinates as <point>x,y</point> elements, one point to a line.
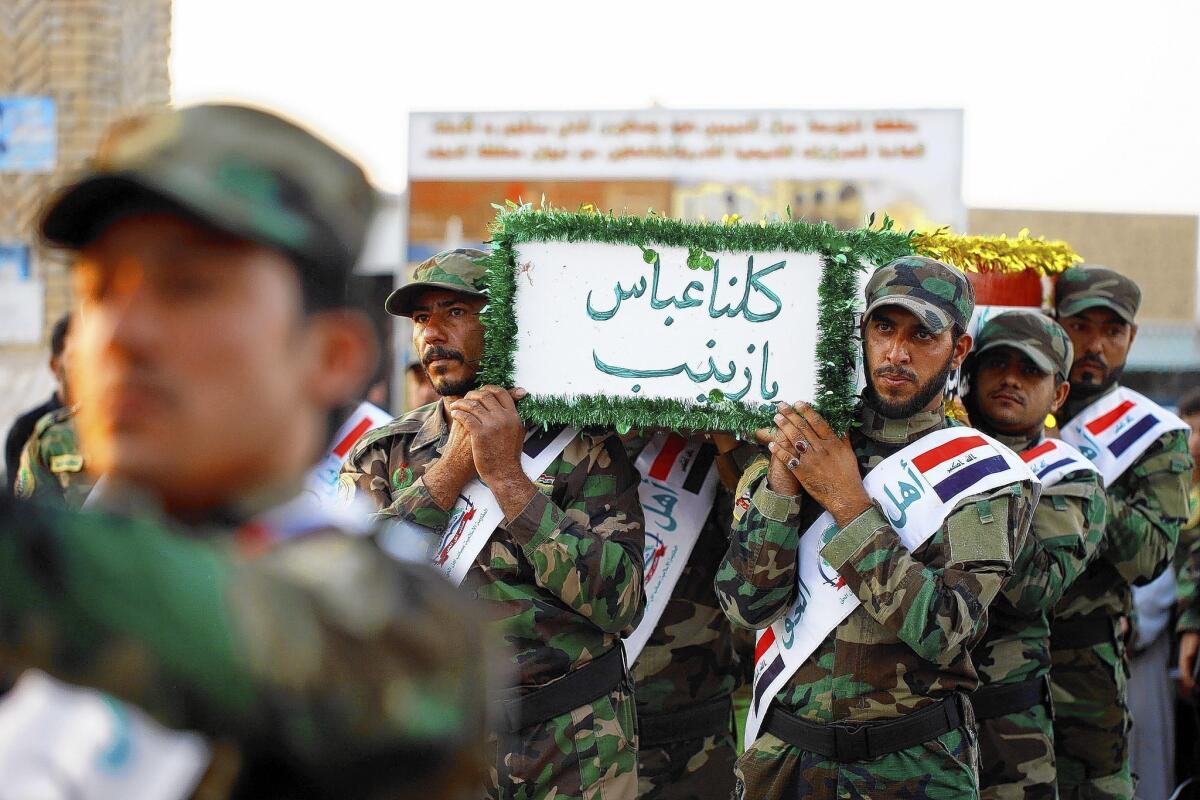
<point>997,253</point>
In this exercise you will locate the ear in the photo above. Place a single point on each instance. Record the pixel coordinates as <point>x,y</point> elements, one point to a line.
<point>55,363</point>
<point>1060,396</point>
<point>1132,333</point>
<point>345,355</point>
<point>962,348</point>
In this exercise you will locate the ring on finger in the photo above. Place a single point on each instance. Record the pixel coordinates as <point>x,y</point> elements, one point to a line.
<point>793,463</point>
<point>801,446</point>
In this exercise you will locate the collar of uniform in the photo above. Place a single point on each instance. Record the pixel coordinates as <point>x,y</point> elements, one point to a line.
<point>1016,443</point>
<point>898,431</point>
<point>433,429</point>
<point>1077,401</point>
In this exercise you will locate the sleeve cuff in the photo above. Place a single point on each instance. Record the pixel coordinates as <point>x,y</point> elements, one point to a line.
<point>535,524</point>
<point>846,542</point>
<point>775,507</point>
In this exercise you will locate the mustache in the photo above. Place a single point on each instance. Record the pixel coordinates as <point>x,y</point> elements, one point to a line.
<point>893,369</point>
<point>1094,359</point>
<point>436,352</point>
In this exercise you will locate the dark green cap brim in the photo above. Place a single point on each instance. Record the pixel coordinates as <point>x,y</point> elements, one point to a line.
<point>920,308</point>
<point>1044,362</point>
<point>400,302</point>
<point>82,212</point>
<point>1073,307</point>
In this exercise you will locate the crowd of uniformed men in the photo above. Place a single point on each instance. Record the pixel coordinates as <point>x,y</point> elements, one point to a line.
<point>211,351</point>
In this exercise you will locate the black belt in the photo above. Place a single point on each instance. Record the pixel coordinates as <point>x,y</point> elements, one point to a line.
<point>990,702</point>
<point>714,718</point>
<point>1079,632</point>
<point>849,742</point>
<point>579,687</point>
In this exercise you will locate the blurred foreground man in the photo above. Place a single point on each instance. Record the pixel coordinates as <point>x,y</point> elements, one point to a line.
<point>212,345</point>
<point>1141,452</point>
<point>873,558</point>
<point>1017,374</point>
<point>22,427</point>
<point>545,530</point>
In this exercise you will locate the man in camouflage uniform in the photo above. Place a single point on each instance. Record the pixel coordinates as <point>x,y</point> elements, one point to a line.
<point>561,577</point>
<point>1017,375</point>
<point>1187,560</point>
<point>1146,505</point>
<point>52,468</point>
<point>884,690</point>
<point>692,663</point>
<point>22,427</point>
<point>212,346</point>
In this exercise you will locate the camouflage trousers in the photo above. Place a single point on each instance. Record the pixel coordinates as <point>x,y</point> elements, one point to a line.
<point>1092,721</point>
<point>1016,756</point>
<point>588,754</point>
<point>945,768</point>
<point>697,769</point>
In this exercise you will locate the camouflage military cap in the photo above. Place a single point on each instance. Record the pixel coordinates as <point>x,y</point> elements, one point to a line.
<point>460,270</point>
<point>1088,286</point>
<point>937,293</point>
<point>1034,334</point>
<point>240,170</point>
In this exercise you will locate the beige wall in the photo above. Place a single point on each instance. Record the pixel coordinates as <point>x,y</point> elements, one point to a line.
<point>1159,251</point>
<point>99,60</point>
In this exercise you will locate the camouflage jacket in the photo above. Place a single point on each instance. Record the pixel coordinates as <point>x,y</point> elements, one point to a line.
<point>52,468</point>
<point>307,644</point>
<point>909,642</point>
<point>1187,567</point>
<point>562,581</point>
<point>694,655</point>
<point>1066,533</point>
<point>1147,505</point>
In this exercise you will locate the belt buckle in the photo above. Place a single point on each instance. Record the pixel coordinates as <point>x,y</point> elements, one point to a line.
<point>850,741</point>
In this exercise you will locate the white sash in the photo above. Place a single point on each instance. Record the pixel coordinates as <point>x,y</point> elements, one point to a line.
<point>477,512</point>
<point>323,478</point>
<point>1115,430</point>
<point>916,488</point>
<point>1053,460</point>
<point>59,742</point>
<point>679,482</point>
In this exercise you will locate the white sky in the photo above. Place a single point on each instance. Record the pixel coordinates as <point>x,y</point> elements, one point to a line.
<point>1069,105</point>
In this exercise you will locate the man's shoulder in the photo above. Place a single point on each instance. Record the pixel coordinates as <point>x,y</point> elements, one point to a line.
<point>405,425</point>
<point>55,419</point>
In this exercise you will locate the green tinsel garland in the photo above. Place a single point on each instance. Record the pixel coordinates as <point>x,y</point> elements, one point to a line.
<point>843,254</point>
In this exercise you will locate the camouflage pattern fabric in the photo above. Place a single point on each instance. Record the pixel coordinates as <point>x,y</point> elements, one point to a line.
<point>52,468</point>
<point>589,754</point>
<point>1092,720</point>
<point>1146,507</point>
<point>937,293</point>
<point>1017,750</point>
<point>694,656</point>
<point>1088,286</point>
<point>320,650</point>
<point>460,270</point>
<point>561,583</point>
<point>944,768</point>
<point>1187,568</point>
<point>1016,756</point>
<point>1031,332</point>
<point>898,652</point>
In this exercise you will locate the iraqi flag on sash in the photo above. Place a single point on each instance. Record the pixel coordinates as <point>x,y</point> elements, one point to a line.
<point>1115,430</point>
<point>1053,460</point>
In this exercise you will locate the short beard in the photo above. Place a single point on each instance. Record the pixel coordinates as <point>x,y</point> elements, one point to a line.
<point>445,388</point>
<point>907,408</point>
